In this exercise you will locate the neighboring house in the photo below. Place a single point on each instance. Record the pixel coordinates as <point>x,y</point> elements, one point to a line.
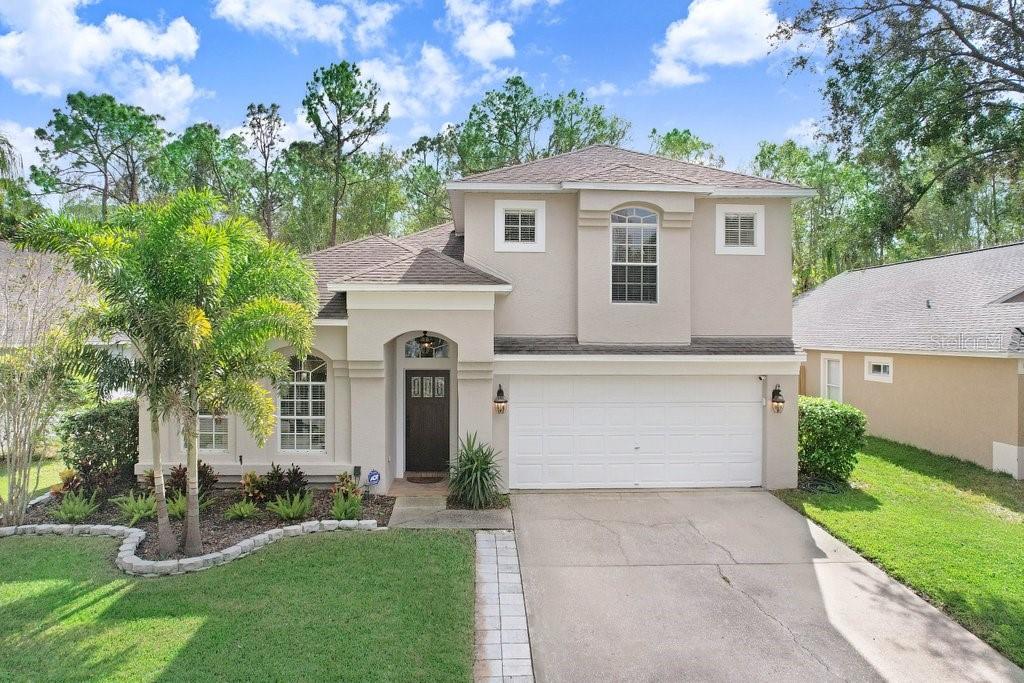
<point>931,350</point>
<point>633,310</point>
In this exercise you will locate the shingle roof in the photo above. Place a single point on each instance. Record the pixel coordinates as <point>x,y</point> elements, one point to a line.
<point>946,304</point>
<point>425,267</point>
<point>432,256</point>
<point>442,237</point>
<point>698,346</point>
<point>605,163</point>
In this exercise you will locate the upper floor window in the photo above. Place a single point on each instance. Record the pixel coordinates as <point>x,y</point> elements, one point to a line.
<point>303,406</point>
<point>634,255</point>
<point>519,225</point>
<point>739,229</point>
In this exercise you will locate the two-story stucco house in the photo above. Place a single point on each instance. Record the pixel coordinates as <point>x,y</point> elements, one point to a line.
<point>634,312</point>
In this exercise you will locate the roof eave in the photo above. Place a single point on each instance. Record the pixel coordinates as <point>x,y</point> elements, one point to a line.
<point>416,287</point>
<point>711,190</point>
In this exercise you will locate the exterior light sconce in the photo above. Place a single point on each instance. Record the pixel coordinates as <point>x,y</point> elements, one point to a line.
<point>426,342</point>
<point>778,402</point>
<point>500,402</point>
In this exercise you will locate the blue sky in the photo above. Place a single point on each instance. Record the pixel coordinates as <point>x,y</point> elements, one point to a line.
<point>703,65</point>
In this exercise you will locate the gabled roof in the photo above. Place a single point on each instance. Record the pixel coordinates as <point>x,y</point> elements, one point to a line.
<point>425,267</point>
<point>944,304</point>
<point>613,165</point>
<point>429,257</point>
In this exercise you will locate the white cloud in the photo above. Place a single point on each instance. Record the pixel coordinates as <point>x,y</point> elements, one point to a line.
<point>480,37</point>
<point>602,89</point>
<point>295,20</point>
<point>49,49</point>
<point>528,4</point>
<point>415,91</point>
<point>804,131</point>
<point>167,92</point>
<point>714,32</point>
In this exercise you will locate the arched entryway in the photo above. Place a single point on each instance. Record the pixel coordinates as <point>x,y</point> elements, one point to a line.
<point>426,402</point>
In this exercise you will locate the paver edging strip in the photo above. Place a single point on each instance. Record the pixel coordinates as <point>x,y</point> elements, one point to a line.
<point>130,563</point>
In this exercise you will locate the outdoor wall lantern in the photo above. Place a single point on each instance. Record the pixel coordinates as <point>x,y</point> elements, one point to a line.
<point>778,402</point>
<point>500,402</point>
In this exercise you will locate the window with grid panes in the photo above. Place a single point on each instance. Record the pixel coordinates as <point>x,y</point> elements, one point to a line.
<point>634,255</point>
<point>302,406</point>
<point>520,225</point>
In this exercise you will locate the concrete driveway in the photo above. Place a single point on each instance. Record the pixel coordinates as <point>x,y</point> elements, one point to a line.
<point>720,586</point>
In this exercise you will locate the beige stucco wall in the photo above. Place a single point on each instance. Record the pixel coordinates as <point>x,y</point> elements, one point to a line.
<point>951,405</point>
<point>742,295</point>
<point>543,301</point>
<point>566,289</point>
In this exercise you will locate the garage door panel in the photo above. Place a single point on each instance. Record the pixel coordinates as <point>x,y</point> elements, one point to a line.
<point>637,431</point>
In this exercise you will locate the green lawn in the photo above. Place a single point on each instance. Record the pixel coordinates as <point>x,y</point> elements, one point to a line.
<point>949,529</point>
<point>43,477</point>
<point>394,606</point>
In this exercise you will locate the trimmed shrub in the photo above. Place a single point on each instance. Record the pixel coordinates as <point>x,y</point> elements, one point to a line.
<point>830,434</point>
<point>253,486</point>
<point>177,481</point>
<point>475,477</point>
<point>275,484</point>
<point>295,480</point>
<point>100,443</point>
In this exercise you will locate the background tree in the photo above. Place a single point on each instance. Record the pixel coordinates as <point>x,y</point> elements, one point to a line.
<point>375,196</point>
<point>307,184</point>
<point>228,293</point>
<point>928,93</point>
<point>38,298</point>
<point>685,146</point>
<point>10,160</point>
<point>576,124</point>
<point>429,164</point>
<point>97,146</point>
<point>344,112</point>
<point>264,125</point>
<point>201,159</point>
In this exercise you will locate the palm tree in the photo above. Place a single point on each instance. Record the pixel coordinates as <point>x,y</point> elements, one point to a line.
<point>227,293</point>
<point>108,256</point>
<point>10,162</point>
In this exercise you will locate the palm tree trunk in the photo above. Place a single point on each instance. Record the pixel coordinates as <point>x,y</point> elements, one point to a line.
<point>193,539</point>
<point>166,541</point>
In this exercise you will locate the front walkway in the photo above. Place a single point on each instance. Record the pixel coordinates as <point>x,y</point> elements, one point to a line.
<point>425,506</point>
<point>720,585</point>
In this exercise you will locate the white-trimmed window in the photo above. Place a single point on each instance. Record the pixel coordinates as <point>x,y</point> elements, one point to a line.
<point>302,407</point>
<point>519,225</point>
<point>878,369</point>
<point>634,234</point>
<point>212,431</point>
<point>832,377</point>
<point>739,229</point>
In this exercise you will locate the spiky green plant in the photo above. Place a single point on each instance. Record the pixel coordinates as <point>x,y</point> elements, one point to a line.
<point>475,477</point>
<point>346,507</point>
<point>243,509</point>
<point>292,508</point>
<point>135,508</point>
<point>75,507</point>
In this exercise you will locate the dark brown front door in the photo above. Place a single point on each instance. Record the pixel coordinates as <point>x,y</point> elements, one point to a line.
<point>427,395</point>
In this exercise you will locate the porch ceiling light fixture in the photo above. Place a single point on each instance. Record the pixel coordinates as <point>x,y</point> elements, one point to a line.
<point>778,402</point>
<point>500,402</point>
<point>426,342</point>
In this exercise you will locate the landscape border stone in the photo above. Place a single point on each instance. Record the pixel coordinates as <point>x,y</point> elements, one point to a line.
<point>130,563</point>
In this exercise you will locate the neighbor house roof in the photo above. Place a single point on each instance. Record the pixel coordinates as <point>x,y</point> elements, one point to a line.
<point>427,257</point>
<point>605,164</point>
<point>945,304</point>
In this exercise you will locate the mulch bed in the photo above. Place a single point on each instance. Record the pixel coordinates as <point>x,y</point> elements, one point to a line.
<point>217,531</point>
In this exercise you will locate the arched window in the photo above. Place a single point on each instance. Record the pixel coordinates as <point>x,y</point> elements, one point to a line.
<point>426,346</point>
<point>303,406</point>
<point>634,255</point>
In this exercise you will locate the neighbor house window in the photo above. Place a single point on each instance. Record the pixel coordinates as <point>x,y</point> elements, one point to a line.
<point>212,431</point>
<point>634,256</point>
<point>739,229</point>
<point>878,369</point>
<point>303,406</point>
<point>832,377</point>
<point>519,225</point>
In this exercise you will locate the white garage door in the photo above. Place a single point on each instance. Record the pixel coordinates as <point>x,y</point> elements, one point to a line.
<point>636,431</point>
